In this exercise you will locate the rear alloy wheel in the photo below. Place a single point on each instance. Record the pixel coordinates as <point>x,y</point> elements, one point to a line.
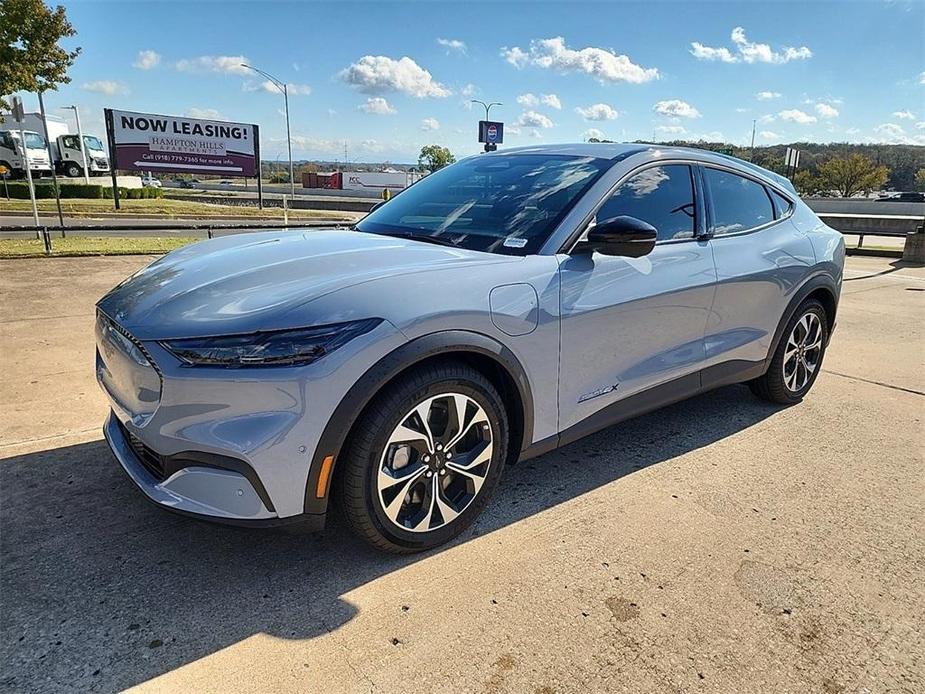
<point>424,459</point>
<point>798,358</point>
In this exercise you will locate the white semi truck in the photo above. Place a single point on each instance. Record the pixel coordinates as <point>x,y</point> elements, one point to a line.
<point>13,154</point>
<point>65,147</point>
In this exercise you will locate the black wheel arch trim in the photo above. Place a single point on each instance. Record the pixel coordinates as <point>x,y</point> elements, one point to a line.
<point>407,355</point>
<point>820,280</point>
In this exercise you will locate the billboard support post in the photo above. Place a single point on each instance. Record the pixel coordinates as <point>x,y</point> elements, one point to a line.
<point>51,159</point>
<point>112,155</point>
<point>259,167</point>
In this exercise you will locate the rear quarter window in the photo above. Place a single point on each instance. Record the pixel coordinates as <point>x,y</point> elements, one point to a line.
<point>738,203</point>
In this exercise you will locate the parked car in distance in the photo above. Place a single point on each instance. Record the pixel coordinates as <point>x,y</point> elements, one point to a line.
<point>902,197</point>
<point>183,183</point>
<point>501,307</point>
<point>226,184</point>
<point>148,181</point>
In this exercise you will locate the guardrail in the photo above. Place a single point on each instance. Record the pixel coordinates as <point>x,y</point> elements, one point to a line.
<point>909,227</point>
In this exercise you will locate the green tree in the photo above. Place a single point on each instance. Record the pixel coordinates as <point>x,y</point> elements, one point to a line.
<point>30,58</point>
<point>806,183</point>
<point>920,179</point>
<point>852,175</point>
<point>435,157</point>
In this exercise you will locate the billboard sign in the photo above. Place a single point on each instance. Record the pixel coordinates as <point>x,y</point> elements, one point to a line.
<point>176,144</point>
<point>491,132</point>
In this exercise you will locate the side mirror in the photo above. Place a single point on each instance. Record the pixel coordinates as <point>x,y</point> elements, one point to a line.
<point>624,236</point>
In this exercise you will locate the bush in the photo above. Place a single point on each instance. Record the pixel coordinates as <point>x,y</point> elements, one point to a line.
<point>19,190</point>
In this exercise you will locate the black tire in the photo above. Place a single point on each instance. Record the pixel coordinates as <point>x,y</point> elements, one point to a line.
<point>356,492</point>
<point>73,170</point>
<point>772,385</point>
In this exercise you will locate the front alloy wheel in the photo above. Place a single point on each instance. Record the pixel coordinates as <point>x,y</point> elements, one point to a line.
<point>435,462</point>
<point>423,458</point>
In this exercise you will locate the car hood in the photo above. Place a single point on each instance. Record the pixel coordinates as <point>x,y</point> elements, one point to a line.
<point>250,282</point>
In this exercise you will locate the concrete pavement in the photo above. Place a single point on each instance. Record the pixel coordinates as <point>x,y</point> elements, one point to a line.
<point>719,545</point>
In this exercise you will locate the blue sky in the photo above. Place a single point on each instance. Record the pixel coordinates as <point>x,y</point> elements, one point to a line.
<point>389,77</point>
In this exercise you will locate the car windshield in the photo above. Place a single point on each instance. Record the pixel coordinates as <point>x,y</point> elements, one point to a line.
<point>506,204</point>
<point>35,141</point>
<point>91,142</point>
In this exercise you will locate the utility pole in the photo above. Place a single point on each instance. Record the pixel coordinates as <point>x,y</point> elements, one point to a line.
<point>83,146</point>
<point>51,159</point>
<point>751,157</point>
<point>284,88</point>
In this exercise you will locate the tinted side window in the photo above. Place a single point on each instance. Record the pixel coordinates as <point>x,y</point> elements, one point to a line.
<point>739,203</point>
<point>663,196</point>
<point>781,204</point>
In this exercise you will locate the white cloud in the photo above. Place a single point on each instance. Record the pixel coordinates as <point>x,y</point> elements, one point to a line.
<point>742,109</point>
<point>512,130</point>
<point>796,116</point>
<point>676,108</point>
<point>592,133</point>
<point>769,135</point>
<point>377,105</point>
<point>532,119</point>
<point>767,96</point>
<point>304,143</point>
<point>378,73</point>
<point>515,56</point>
<point>748,52</point>
<point>271,88</point>
<point>904,115</point>
<point>920,125</point>
<point>107,87</point>
<point>671,129</point>
<point>701,52</point>
<point>147,60</point>
<point>602,64</point>
<point>597,112</point>
<point>922,78</point>
<point>430,124</point>
<point>527,100</point>
<point>551,100</point>
<point>204,113</point>
<point>227,64</point>
<point>767,118</point>
<point>826,110</point>
<point>894,134</point>
<point>469,90</point>
<point>453,45</point>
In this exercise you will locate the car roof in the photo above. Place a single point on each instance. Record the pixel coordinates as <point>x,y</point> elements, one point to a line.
<point>617,151</point>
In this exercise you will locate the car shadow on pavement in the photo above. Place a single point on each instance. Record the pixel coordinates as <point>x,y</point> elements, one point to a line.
<point>101,590</point>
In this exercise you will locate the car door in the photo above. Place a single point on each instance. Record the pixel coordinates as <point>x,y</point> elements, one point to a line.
<point>761,259</point>
<point>629,325</point>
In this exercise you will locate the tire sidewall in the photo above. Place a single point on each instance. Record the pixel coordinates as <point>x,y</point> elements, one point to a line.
<point>489,400</point>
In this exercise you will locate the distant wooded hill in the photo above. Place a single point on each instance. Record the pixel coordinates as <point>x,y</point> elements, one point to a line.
<point>901,160</point>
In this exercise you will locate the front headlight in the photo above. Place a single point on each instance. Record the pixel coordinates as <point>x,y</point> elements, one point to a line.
<point>277,348</point>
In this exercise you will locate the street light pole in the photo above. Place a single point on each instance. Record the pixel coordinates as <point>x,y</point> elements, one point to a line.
<point>487,108</point>
<point>284,88</point>
<point>83,146</point>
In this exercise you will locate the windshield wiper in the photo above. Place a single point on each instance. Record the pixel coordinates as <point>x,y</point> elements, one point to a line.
<point>416,237</point>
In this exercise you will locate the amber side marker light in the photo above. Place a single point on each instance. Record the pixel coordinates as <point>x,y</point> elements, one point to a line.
<point>323,476</point>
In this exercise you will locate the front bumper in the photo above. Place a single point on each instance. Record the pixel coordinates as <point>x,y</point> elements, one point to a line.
<point>231,445</point>
<point>202,491</point>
